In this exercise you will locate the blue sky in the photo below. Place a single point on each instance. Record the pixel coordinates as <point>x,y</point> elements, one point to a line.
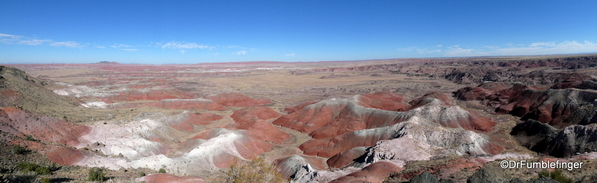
<point>160,32</point>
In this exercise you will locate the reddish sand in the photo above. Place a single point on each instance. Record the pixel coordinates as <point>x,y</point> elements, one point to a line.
<point>65,156</point>
<point>191,104</point>
<point>253,119</point>
<point>437,95</point>
<point>329,147</point>
<point>43,128</point>
<point>255,140</point>
<point>330,118</point>
<point>238,100</point>
<point>187,104</point>
<point>472,93</point>
<point>155,95</point>
<point>254,113</point>
<point>264,130</point>
<point>384,101</point>
<point>189,120</point>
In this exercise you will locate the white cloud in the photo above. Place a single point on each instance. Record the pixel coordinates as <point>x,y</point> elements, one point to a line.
<point>100,46</point>
<point>71,44</point>
<point>290,55</point>
<point>540,48</point>
<point>456,50</point>
<point>182,51</point>
<point>34,41</point>
<point>130,49</point>
<point>428,51</point>
<point>16,39</point>
<point>121,46</point>
<point>184,45</point>
<point>9,36</point>
<point>239,47</point>
<point>537,48</point>
<point>541,44</point>
<point>419,50</point>
<point>241,53</point>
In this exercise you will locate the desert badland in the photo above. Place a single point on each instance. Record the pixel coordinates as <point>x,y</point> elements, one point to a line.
<point>395,120</point>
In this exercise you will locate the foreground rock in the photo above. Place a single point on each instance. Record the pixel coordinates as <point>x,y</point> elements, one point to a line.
<point>566,142</point>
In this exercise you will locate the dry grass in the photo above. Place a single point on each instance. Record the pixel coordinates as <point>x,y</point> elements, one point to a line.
<point>257,170</point>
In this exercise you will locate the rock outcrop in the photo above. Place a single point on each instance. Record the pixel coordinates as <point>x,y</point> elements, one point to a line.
<point>566,142</point>
<point>354,137</point>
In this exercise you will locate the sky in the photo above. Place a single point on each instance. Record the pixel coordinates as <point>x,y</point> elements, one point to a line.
<point>186,32</point>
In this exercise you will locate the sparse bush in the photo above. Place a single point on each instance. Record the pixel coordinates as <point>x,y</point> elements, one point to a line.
<point>45,180</point>
<point>32,167</point>
<point>96,174</point>
<point>17,149</point>
<point>29,138</point>
<point>142,174</point>
<point>162,170</point>
<point>556,175</point>
<point>247,172</point>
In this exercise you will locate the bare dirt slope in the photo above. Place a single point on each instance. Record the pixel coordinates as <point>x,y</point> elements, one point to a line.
<point>381,120</point>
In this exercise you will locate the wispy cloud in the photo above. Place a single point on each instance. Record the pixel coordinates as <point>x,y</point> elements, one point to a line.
<point>130,49</point>
<point>456,50</point>
<point>34,41</point>
<point>9,37</point>
<point>420,50</point>
<point>541,44</point>
<point>17,39</point>
<point>239,47</point>
<point>182,51</point>
<point>290,55</point>
<point>184,45</point>
<point>121,46</point>
<point>71,44</point>
<point>241,52</point>
<point>550,48</point>
<point>536,48</point>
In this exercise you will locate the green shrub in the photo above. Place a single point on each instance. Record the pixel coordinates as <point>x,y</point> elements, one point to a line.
<point>46,180</point>
<point>32,167</point>
<point>142,174</point>
<point>96,174</point>
<point>29,138</point>
<point>162,170</point>
<point>17,149</point>
<point>557,176</point>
